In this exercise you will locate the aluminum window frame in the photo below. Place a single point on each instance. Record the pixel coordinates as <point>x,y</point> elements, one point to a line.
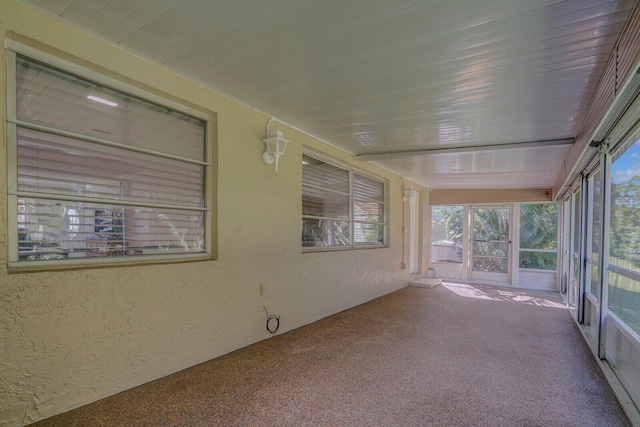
<point>15,49</point>
<point>625,141</point>
<point>352,221</point>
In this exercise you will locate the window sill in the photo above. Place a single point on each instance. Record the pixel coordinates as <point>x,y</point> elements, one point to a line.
<point>537,270</point>
<point>315,249</point>
<point>104,262</point>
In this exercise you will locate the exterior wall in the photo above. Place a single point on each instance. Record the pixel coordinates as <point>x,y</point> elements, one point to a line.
<point>72,337</point>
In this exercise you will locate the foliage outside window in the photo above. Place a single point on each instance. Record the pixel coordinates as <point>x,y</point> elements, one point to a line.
<point>624,236</point>
<point>99,172</point>
<point>340,207</point>
<point>446,234</point>
<point>539,236</point>
<point>491,231</point>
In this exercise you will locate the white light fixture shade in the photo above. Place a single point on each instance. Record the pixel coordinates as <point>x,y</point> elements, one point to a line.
<point>275,146</point>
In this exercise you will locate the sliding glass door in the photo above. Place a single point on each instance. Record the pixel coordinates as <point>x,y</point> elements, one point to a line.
<point>603,258</point>
<point>573,288</point>
<point>621,302</point>
<point>592,282</point>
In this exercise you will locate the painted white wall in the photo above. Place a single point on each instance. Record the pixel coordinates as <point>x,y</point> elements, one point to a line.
<point>537,279</point>
<point>72,337</point>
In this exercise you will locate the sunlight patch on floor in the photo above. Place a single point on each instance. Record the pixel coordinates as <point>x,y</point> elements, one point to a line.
<point>500,294</point>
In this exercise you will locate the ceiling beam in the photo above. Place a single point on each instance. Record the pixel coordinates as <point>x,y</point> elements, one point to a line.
<point>465,149</point>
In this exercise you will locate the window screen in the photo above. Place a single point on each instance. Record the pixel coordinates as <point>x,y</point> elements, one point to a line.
<point>102,173</point>
<point>538,236</point>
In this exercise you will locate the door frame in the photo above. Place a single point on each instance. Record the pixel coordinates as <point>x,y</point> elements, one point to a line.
<point>490,277</point>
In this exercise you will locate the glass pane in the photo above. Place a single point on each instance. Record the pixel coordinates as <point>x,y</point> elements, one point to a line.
<point>366,188</point>
<point>595,215</point>
<point>323,175</point>
<point>624,300</point>
<point>368,211</point>
<point>58,165</point>
<point>51,97</point>
<point>576,209</point>
<point>539,226</point>
<point>318,202</point>
<point>594,285</point>
<point>371,234</point>
<point>491,265</point>
<point>446,234</point>
<point>446,251</point>
<point>538,260</point>
<point>624,248</point>
<point>325,233</point>
<point>158,231</point>
<point>625,204</point>
<point>595,183</point>
<point>491,224</point>
<point>497,249</point>
<point>61,229</point>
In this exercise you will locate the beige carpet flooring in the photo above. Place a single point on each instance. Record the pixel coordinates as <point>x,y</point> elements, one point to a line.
<point>455,355</point>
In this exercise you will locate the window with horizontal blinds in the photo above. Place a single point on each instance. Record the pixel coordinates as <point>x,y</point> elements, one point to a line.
<point>368,210</point>
<point>52,98</point>
<point>340,207</point>
<point>99,172</point>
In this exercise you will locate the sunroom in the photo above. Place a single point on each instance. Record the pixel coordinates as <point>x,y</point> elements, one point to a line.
<point>176,173</point>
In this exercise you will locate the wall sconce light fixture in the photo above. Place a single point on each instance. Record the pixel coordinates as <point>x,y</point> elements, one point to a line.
<point>275,146</point>
<point>408,193</point>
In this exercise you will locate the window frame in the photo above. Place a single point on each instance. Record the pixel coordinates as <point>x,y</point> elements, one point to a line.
<point>610,269</point>
<point>456,244</point>
<point>14,49</point>
<point>352,221</point>
<point>521,249</point>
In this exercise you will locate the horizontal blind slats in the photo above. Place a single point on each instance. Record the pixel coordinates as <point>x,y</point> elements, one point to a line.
<point>51,97</point>
<point>50,163</point>
<point>367,188</point>
<point>324,175</point>
<point>124,179</point>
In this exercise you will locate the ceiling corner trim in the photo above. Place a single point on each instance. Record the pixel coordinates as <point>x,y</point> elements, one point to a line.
<point>490,195</point>
<point>465,149</point>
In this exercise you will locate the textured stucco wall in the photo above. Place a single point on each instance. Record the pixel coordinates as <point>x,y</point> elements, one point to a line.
<point>71,337</point>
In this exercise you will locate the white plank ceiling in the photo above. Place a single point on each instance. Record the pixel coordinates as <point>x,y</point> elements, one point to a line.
<point>382,76</point>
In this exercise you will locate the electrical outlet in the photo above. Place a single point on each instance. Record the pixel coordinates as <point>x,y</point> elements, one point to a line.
<point>262,289</point>
<point>403,266</point>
